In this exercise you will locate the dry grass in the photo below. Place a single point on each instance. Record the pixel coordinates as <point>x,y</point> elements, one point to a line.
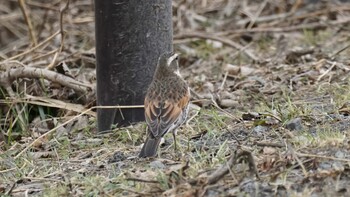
<point>271,78</point>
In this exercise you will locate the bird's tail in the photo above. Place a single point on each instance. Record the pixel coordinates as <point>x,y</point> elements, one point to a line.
<point>150,147</point>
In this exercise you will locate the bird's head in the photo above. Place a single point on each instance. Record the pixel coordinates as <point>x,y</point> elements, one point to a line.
<point>169,61</point>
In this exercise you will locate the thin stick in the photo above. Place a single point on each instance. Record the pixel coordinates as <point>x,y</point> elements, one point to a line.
<point>28,21</point>
<point>8,77</point>
<point>224,169</point>
<point>223,81</point>
<point>327,71</point>
<point>321,157</point>
<point>215,104</point>
<point>271,144</point>
<point>285,29</point>
<point>34,48</point>
<point>257,14</point>
<point>63,35</point>
<point>341,50</point>
<point>141,180</point>
<point>49,102</point>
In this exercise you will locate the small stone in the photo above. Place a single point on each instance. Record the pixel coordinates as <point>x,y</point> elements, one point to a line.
<point>339,154</point>
<point>245,70</point>
<point>231,69</point>
<point>294,124</point>
<point>117,157</point>
<point>325,166</point>
<point>157,165</point>
<point>250,116</point>
<point>269,150</point>
<point>228,103</point>
<point>259,130</point>
<point>214,44</point>
<point>225,95</point>
<point>209,86</point>
<point>337,166</point>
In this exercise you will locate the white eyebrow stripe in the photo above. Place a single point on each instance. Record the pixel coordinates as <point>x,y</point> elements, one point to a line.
<point>171,59</point>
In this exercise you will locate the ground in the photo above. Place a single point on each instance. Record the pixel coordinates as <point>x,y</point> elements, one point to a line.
<point>269,114</point>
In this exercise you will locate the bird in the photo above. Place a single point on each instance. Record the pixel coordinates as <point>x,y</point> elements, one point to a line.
<point>166,103</point>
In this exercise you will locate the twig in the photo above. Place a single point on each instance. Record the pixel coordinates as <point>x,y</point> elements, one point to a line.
<point>52,64</point>
<point>63,35</point>
<point>42,6</point>
<point>196,109</point>
<point>49,102</point>
<point>327,71</point>
<point>215,104</point>
<point>341,50</point>
<point>8,170</point>
<point>28,21</point>
<point>263,19</point>
<point>9,17</point>
<point>11,189</point>
<point>10,75</point>
<point>220,39</point>
<point>61,18</point>
<point>271,144</point>
<point>223,81</point>
<point>321,157</point>
<point>195,94</point>
<point>224,169</point>
<point>141,180</point>
<point>34,48</point>
<point>234,136</point>
<point>317,12</point>
<point>220,172</point>
<point>42,179</point>
<point>257,14</point>
<point>291,149</point>
<point>286,29</point>
<point>271,115</point>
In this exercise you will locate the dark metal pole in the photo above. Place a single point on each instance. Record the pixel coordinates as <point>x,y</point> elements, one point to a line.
<point>130,36</point>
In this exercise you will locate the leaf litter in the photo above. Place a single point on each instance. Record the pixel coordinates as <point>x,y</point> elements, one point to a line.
<point>269,113</point>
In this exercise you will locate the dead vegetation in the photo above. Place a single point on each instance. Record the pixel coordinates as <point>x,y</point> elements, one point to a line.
<point>269,116</point>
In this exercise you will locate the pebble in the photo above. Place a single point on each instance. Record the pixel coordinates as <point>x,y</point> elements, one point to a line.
<point>339,154</point>
<point>231,69</point>
<point>259,130</point>
<point>246,70</point>
<point>228,103</point>
<point>294,124</point>
<point>157,165</point>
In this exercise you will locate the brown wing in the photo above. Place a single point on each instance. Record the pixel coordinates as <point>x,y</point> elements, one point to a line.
<point>162,114</point>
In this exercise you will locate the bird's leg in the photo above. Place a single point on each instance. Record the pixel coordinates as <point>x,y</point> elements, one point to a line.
<point>174,136</point>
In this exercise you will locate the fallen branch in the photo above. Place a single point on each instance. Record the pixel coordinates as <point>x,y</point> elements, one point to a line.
<point>220,172</point>
<point>22,5</point>
<point>224,169</point>
<point>7,77</point>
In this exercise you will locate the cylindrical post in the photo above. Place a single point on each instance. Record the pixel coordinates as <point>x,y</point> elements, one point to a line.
<point>130,36</point>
